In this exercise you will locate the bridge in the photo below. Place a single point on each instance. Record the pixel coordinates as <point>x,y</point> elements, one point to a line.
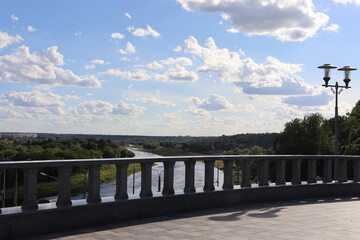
<point>31,219</point>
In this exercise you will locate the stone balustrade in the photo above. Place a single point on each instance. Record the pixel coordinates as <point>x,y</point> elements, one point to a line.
<point>279,185</point>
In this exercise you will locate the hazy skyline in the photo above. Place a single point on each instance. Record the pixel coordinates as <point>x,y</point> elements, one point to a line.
<point>172,67</point>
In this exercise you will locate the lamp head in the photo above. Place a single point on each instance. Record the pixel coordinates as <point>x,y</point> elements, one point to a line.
<point>326,68</point>
<point>347,70</point>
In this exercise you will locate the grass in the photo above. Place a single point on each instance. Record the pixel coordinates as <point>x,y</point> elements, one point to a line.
<point>50,188</point>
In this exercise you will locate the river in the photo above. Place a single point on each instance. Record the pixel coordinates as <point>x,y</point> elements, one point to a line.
<point>108,189</point>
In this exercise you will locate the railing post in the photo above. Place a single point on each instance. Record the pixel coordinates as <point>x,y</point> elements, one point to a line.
<point>327,170</point>
<point>121,182</point>
<point>311,178</point>
<point>94,185</point>
<point>246,174</point>
<point>64,181</point>
<point>296,172</point>
<point>264,173</point>
<point>146,179</point>
<point>30,189</point>
<point>356,178</point>
<point>209,175</point>
<point>189,176</point>
<point>168,178</point>
<point>228,172</point>
<point>342,173</point>
<point>280,172</point>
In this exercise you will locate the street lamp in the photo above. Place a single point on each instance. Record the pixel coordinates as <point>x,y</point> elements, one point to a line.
<point>159,178</point>
<point>347,70</point>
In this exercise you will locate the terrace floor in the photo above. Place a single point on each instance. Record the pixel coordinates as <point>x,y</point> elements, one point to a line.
<point>334,218</point>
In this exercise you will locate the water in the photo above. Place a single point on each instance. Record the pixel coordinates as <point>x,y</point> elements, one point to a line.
<point>108,189</point>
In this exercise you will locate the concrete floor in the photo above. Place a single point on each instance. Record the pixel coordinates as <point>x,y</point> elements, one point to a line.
<point>313,219</point>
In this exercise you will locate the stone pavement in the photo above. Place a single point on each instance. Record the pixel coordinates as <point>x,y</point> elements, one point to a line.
<point>336,218</point>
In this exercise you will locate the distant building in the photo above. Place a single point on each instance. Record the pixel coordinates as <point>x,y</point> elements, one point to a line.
<point>18,135</point>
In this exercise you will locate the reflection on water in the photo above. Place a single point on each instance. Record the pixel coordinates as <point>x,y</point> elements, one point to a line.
<point>108,189</point>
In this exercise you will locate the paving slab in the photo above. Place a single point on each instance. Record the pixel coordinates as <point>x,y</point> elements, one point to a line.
<point>310,219</point>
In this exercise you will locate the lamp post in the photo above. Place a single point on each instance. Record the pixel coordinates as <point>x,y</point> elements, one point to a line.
<point>336,89</point>
<point>159,178</point>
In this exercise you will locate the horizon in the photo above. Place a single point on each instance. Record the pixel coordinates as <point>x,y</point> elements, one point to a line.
<point>172,68</point>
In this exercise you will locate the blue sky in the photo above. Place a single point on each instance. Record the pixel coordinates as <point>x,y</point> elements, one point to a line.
<point>172,67</point>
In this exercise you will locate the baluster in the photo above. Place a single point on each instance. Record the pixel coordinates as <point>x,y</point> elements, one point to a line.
<point>146,179</point>
<point>296,172</point>
<point>121,181</point>
<point>356,178</point>
<point>264,173</point>
<point>94,185</point>
<point>228,171</point>
<point>168,178</point>
<point>246,174</point>
<point>342,173</point>
<point>189,176</point>
<point>327,171</point>
<point>311,171</point>
<point>209,176</point>
<point>280,172</point>
<point>30,189</point>
<point>64,181</point>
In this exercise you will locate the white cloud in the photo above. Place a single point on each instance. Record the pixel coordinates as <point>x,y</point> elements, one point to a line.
<point>98,62</point>
<point>283,19</point>
<point>213,103</point>
<point>177,49</point>
<point>91,66</point>
<point>272,77</point>
<point>23,66</point>
<point>117,35</point>
<point>246,107</point>
<point>197,111</point>
<point>140,75</point>
<point>129,49</point>
<point>232,30</point>
<point>152,100</point>
<point>126,59</point>
<point>177,74</point>
<point>128,109</point>
<point>332,28</point>
<point>70,97</point>
<point>78,34</point>
<point>6,39</point>
<point>14,18</point>
<point>154,65</point>
<point>317,100</point>
<point>31,29</point>
<point>128,15</point>
<point>141,32</point>
<point>181,61</point>
<point>357,2</point>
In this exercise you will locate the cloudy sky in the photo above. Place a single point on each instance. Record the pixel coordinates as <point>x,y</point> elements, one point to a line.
<point>172,67</point>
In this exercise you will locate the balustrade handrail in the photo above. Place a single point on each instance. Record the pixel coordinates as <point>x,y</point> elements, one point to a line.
<point>89,162</point>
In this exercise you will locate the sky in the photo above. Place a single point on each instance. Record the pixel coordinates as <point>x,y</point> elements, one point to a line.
<point>172,67</point>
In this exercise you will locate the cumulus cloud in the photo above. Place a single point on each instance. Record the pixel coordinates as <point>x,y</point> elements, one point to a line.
<point>6,39</point>
<point>91,66</point>
<point>117,35</point>
<point>153,100</point>
<point>23,66</point>
<point>177,48</point>
<point>128,109</point>
<point>332,28</point>
<point>213,103</point>
<point>197,111</point>
<point>181,61</point>
<point>98,62</point>
<point>272,77</point>
<point>129,49</point>
<point>154,65</point>
<point>285,20</point>
<point>141,32</point>
<point>31,29</point>
<point>14,18</point>
<point>140,75</point>
<point>316,100</point>
<point>177,74</point>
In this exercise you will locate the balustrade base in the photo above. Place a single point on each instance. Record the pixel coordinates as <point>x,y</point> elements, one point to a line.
<point>43,221</point>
